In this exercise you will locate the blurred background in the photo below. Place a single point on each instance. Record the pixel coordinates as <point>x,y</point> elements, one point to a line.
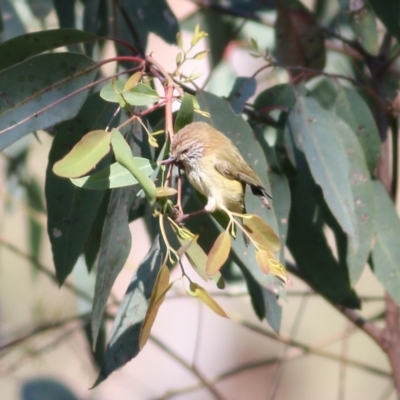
<point>44,353</point>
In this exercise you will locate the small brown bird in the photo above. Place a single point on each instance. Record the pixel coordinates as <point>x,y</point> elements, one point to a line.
<point>215,167</point>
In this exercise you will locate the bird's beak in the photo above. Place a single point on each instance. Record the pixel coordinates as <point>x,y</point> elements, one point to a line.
<point>168,161</point>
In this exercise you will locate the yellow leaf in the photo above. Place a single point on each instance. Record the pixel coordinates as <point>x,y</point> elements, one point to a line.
<point>152,141</point>
<point>261,233</point>
<point>165,191</point>
<point>160,289</point>
<point>201,55</point>
<point>218,254</point>
<point>205,297</point>
<point>262,260</point>
<point>179,58</point>
<point>132,81</point>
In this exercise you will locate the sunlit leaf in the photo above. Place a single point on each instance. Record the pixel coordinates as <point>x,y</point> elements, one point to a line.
<point>165,191</point>
<point>261,233</point>
<point>85,155</point>
<point>113,176</point>
<point>161,288</point>
<point>124,156</point>
<point>205,297</point>
<point>132,81</point>
<point>219,253</point>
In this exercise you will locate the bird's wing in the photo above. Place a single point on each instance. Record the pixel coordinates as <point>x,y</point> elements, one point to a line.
<point>240,172</point>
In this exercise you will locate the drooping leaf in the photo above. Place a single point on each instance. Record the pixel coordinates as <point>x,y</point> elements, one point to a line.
<point>219,253</point>
<point>114,176</point>
<point>42,388</point>
<point>261,233</point>
<point>124,156</point>
<point>115,246</point>
<point>298,38</point>
<point>308,245</point>
<point>22,47</point>
<point>386,252</point>
<point>315,131</point>
<point>85,155</point>
<point>65,13</point>
<point>161,288</point>
<point>206,298</point>
<point>358,249</point>
<point>124,337</point>
<point>33,93</point>
<point>71,211</point>
<point>351,107</point>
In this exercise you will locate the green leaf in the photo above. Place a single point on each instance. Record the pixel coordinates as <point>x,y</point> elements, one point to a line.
<point>315,131</point>
<point>351,107</point>
<point>65,13</point>
<point>386,252</point>
<point>219,253</point>
<point>308,245</point>
<point>71,211</point>
<point>22,47</point>
<point>139,95</point>
<point>115,246</point>
<point>85,155</point>
<point>34,93</point>
<point>279,96</point>
<point>113,176</point>
<point>242,90</point>
<point>185,113</point>
<point>358,249</point>
<point>363,23</point>
<point>124,156</point>
<point>125,333</point>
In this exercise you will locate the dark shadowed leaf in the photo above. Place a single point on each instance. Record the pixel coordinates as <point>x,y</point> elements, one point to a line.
<point>31,89</point>
<point>65,13</point>
<point>388,12</point>
<point>277,97</point>
<point>71,210</point>
<point>115,246</point>
<point>299,39</point>
<point>242,90</point>
<point>124,337</point>
<point>219,253</point>
<point>85,155</point>
<point>315,131</point>
<point>22,47</point>
<point>386,252</point>
<point>45,388</point>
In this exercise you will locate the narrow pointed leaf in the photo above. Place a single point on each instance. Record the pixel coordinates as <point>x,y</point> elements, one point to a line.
<point>84,156</point>
<point>115,246</point>
<point>205,297</point>
<point>185,113</point>
<point>219,253</point>
<point>124,337</point>
<point>161,288</point>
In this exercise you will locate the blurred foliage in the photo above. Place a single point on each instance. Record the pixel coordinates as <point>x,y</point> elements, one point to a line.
<point>317,137</point>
